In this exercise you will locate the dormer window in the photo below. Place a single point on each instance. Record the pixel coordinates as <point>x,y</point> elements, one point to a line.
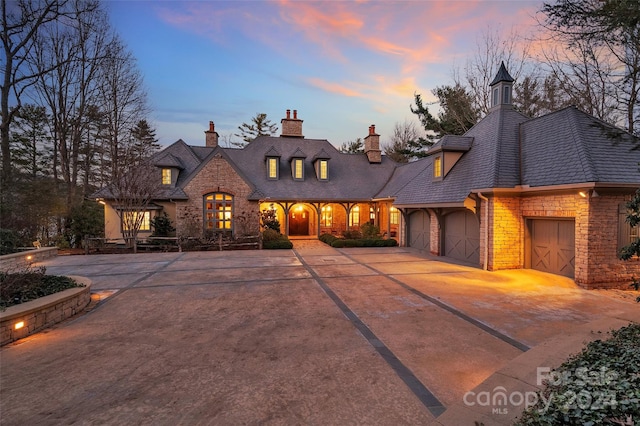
<point>272,168</point>
<point>297,168</point>
<point>437,167</point>
<point>323,169</point>
<point>166,176</point>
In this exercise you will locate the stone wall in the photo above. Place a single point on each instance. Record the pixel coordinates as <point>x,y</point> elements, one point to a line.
<point>20,321</point>
<point>601,235</point>
<point>506,233</point>
<point>217,176</point>
<point>16,261</point>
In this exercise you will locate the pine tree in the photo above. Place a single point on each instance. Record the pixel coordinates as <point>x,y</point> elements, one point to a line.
<point>259,126</point>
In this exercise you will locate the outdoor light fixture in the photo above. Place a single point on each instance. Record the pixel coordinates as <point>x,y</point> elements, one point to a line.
<point>29,257</point>
<point>583,194</point>
<point>18,325</point>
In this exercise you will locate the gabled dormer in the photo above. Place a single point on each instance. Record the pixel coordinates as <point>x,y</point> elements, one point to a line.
<point>321,165</point>
<point>447,152</point>
<point>272,160</point>
<point>170,167</point>
<point>501,88</point>
<point>296,160</point>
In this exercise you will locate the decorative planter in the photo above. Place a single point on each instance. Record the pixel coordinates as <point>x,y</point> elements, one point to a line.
<point>19,321</point>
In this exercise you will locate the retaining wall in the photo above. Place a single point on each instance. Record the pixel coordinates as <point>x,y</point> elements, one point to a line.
<point>19,321</point>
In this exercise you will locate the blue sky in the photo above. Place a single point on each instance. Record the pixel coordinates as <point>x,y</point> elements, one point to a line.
<point>344,65</point>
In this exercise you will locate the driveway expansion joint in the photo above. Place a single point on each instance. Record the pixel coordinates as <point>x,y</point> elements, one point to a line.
<point>484,327</point>
<point>424,395</point>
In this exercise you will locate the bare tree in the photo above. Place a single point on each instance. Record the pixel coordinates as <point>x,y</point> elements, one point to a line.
<point>134,186</point>
<point>599,65</point>
<point>491,49</point>
<point>398,148</point>
<point>124,99</point>
<point>21,22</point>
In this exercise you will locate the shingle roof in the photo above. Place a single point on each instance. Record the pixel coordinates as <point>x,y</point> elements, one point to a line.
<point>577,148</point>
<point>491,162</point>
<point>452,143</point>
<point>351,176</point>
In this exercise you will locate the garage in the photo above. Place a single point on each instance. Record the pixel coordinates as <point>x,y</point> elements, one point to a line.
<point>419,230</point>
<point>462,236</point>
<point>552,246</point>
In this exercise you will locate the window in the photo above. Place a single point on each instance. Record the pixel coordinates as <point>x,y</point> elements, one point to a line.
<point>218,210</point>
<point>437,167</point>
<point>298,168</point>
<point>326,218</point>
<point>130,219</point>
<point>323,169</point>
<point>626,233</point>
<point>272,168</point>
<point>506,94</point>
<point>166,176</point>
<point>354,216</point>
<point>496,97</point>
<point>394,217</point>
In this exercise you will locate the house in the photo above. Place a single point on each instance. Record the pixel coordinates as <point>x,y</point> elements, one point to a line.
<point>547,193</point>
<point>312,187</point>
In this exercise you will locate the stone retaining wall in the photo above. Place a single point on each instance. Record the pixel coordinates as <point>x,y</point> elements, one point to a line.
<point>14,261</point>
<point>43,312</point>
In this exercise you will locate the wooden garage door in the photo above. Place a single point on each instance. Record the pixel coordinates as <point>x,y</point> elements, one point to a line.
<point>553,246</point>
<point>462,236</point>
<point>419,230</point>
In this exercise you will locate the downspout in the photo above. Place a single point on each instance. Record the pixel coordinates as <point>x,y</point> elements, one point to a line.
<point>485,221</point>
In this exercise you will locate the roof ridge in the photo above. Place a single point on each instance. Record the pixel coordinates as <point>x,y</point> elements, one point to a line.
<point>585,158</point>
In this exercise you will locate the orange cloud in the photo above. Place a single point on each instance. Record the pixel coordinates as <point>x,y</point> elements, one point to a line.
<point>334,87</point>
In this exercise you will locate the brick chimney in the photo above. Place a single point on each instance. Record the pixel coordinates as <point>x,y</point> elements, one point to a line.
<point>291,127</point>
<point>211,136</point>
<point>372,146</point>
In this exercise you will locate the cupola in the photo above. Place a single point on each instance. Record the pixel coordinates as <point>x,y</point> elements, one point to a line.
<point>501,88</point>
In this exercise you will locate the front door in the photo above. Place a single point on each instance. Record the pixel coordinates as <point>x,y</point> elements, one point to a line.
<point>299,221</point>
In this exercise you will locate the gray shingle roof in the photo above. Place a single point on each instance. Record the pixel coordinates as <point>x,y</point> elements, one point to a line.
<point>577,148</point>
<point>351,176</point>
<point>452,143</point>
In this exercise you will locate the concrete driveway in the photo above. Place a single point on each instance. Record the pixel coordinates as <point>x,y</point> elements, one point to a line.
<point>313,335</point>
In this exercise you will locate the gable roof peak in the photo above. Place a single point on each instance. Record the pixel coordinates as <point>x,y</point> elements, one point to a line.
<point>502,75</point>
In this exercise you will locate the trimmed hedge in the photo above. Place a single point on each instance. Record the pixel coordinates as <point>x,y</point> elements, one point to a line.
<point>336,242</point>
<point>282,243</point>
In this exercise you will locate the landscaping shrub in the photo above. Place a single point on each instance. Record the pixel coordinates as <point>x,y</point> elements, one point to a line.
<point>327,238</point>
<point>352,234</point>
<point>282,243</point>
<point>29,284</point>
<point>162,226</point>
<point>336,242</point>
<point>272,239</point>
<point>370,231</point>
<point>600,385</point>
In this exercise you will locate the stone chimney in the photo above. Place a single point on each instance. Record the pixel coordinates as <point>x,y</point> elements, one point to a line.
<point>211,136</point>
<point>291,127</point>
<point>372,146</point>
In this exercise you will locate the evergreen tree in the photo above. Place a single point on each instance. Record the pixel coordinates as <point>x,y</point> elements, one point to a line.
<point>144,140</point>
<point>260,126</point>
<point>352,147</point>
<point>457,115</point>
<point>31,144</point>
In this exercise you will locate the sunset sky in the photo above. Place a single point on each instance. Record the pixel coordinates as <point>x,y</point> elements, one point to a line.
<point>344,65</point>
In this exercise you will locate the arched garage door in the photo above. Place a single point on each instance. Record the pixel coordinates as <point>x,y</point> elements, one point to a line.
<point>552,246</point>
<point>462,236</point>
<point>419,230</point>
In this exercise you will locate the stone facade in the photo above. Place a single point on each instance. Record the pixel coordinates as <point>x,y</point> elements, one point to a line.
<point>217,176</point>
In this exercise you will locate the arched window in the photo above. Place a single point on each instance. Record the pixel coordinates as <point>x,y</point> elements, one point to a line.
<point>218,211</point>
